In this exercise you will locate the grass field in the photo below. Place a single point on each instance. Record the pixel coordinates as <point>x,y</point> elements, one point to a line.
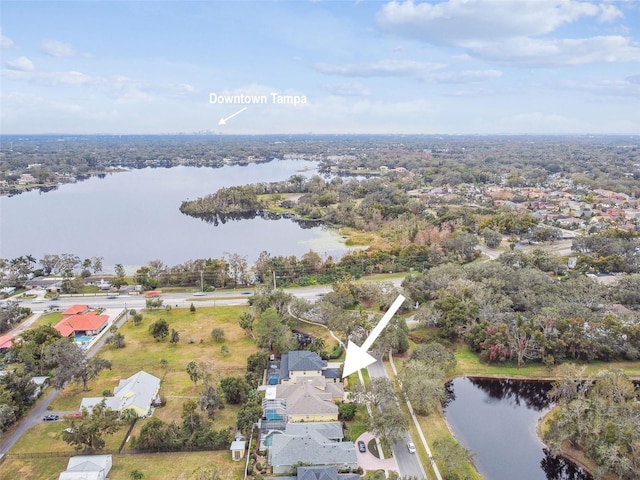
<point>143,352</point>
<point>183,466</point>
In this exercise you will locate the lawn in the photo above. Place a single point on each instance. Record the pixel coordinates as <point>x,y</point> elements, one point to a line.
<point>143,352</point>
<point>184,466</point>
<point>48,319</point>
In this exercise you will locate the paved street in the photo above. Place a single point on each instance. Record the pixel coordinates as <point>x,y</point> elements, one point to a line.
<point>408,463</point>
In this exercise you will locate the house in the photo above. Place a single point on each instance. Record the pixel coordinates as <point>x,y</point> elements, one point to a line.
<point>87,324</point>
<point>51,284</point>
<point>321,473</point>
<point>5,342</point>
<point>87,467</point>
<point>75,310</point>
<point>238,447</point>
<point>137,392</point>
<point>308,444</point>
<point>300,363</point>
<point>307,403</point>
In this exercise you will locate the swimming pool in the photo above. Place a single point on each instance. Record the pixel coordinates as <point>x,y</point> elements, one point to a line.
<point>83,338</point>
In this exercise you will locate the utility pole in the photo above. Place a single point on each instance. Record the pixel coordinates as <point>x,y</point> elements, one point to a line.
<point>274,280</point>
<point>201,281</point>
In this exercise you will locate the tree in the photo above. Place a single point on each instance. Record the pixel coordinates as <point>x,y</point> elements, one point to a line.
<point>86,433</point>
<point>273,334</point>
<point>246,323</point>
<point>73,364</point>
<point>159,436</point>
<point>423,386</point>
<point>376,392</point>
<point>450,456</point>
<point>248,414</point>
<point>159,329</point>
<point>117,340</point>
<point>194,371</point>
<point>235,389</point>
<point>137,319</point>
<point>209,400</point>
<point>174,337</point>
<point>436,354</point>
<point>492,238</point>
<point>347,411</point>
<point>217,334</point>
<point>136,475</point>
<point>192,308</point>
<point>153,303</point>
<point>389,425</point>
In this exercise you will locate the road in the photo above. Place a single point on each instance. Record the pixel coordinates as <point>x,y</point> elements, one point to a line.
<point>408,463</point>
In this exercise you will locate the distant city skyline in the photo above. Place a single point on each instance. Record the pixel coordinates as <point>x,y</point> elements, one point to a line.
<point>428,67</point>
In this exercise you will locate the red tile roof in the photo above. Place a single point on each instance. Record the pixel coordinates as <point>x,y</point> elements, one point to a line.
<point>6,341</point>
<point>81,323</point>
<point>76,309</point>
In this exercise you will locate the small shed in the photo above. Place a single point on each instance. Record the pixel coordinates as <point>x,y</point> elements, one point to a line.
<point>238,447</point>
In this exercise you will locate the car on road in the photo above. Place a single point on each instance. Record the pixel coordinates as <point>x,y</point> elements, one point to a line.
<point>361,446</point>
<point>50,418</point>
<point>112,297</point>
<point>199,294</point>
<point>411,447</point>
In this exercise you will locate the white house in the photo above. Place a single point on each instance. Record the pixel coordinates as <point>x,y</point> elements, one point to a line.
<point>87,467</point>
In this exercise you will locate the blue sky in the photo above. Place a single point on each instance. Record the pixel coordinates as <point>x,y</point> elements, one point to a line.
<point>451,67</point>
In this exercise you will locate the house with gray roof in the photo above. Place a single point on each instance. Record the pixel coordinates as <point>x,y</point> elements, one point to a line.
<point>309,444</point>
<point>87,467</point>
<point>307,403</point>
<point>300,363</point>
<point>321,473</point>
<point>137,392</point>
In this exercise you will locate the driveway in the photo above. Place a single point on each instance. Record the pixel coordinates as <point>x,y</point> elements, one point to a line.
<point>368,461</point>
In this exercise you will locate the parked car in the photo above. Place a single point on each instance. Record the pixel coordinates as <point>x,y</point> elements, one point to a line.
<point>411,447</point>
<point>50,418</point>
<point>75,415</point>
<point>361,446</point>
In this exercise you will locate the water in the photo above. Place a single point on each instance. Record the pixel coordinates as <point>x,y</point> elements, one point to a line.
<point>133,217</point>
<point>496,420</point>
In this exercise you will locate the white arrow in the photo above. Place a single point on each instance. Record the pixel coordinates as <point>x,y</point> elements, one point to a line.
<point>223,121</point>
<point>357,357</point>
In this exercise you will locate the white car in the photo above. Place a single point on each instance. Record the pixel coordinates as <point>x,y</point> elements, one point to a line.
<point>199,294</point>
<point>411,447</point>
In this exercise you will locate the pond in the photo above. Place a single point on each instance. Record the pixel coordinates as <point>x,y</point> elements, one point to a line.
<point>496,420</point>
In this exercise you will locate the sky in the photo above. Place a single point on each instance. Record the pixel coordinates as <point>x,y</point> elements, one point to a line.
<point>412,67</point>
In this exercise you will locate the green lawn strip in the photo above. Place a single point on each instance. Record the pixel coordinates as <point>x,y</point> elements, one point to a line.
<point>47,319</point>
<point>33,468</point>
<point>47,437</point>
<point>143,352</point>
<point>469,364</point>
<point>357,426</point>
<point>174,465</point>
<point>154,466</point>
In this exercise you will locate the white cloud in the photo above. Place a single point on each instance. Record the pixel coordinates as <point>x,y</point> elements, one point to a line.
<point>6,42</point>
<point>509,31</point>
<point>608,13</point>
<point>559,52</point>
<point>49,78</point>
<point>382,68</point>
<point>459,21</point>
<point>466,76</point>
<point>36,101</point>
<point>354,89</point>
<point>55,48</point>
<point>21,63</point>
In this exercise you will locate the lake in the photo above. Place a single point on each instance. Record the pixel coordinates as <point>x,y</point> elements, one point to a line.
<point>496,420</point>
<point>132,217</point>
